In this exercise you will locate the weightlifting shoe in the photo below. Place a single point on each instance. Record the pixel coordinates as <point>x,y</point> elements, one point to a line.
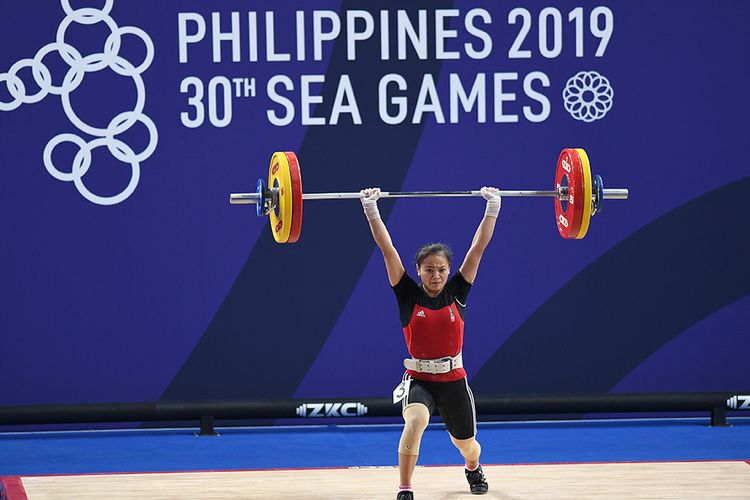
<point>405,495</point>
<point>477,482</point>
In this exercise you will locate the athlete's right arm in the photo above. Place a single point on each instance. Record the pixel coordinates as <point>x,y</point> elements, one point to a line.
<point>393,263</point>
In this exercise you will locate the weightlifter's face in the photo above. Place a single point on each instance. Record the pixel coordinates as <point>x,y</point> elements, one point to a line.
<point>434,271</point>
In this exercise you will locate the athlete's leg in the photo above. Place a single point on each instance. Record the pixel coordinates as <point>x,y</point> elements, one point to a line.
<point>455,402</point>
<point>417,407</point>
<point>456,406</point>
<point>416,418</point>
<point>470,449</point>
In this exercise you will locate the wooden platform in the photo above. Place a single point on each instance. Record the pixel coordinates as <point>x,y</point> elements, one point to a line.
<point>643,480</point>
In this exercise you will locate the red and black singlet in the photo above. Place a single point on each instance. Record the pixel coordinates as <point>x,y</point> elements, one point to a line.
<point>433,327</point>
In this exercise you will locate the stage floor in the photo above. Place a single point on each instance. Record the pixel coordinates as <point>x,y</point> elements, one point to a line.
<point>645,458</point>
<point>644,480</point>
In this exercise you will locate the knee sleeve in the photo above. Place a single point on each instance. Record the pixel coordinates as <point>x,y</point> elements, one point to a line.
<point>416,418</point>
<point>469,448</point>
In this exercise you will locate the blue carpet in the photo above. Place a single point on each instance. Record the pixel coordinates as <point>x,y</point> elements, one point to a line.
<point>348,446</point>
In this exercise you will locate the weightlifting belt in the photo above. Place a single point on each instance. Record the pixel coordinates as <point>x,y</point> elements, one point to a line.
<point>442,365</point>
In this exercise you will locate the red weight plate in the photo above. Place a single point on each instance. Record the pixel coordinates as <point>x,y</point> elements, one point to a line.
<point>296,176</point>
<point>280,178</point>
<point>569,167</point>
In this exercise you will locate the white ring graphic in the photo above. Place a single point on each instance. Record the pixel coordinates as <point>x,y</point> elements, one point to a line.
<point>114,39</point>
<point>74,172</point>
<point>18,93</point>
<point>18,89</point>
<point>102,132</point>
<point>79,163</point>
<point>118,126</point>
<point>38,68</point>
<point>79,66</point>
<point>87,15</point>
<point>588,96</point>
<point>108,55</point>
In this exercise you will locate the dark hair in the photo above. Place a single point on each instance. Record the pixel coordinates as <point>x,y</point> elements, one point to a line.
<point>433,249</point>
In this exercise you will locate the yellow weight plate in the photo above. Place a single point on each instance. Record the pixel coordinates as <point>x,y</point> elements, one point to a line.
<point>588,192</point>
<point>281,215</point>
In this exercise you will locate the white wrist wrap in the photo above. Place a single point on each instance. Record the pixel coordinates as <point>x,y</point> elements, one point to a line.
<point>493,207</point>
<point>371,209</point>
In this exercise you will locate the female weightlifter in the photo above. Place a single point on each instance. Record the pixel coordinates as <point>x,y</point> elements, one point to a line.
<point>432,316</point>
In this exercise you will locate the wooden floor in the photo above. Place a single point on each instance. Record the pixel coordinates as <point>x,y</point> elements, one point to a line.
<point>663,480</point>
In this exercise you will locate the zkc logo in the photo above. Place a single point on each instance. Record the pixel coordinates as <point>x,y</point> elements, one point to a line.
<point>331,410</point>
<point>740,402</point>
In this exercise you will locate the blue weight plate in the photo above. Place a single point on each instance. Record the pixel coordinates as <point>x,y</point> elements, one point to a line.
<point>260,206</point>
<point>599,183</point>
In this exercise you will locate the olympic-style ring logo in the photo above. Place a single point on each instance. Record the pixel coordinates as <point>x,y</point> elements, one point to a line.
<point>588,96</point>
<point>79,66</point>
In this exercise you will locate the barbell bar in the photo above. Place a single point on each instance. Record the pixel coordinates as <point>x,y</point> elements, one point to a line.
<point>562,193</point>
<point>282,199</point>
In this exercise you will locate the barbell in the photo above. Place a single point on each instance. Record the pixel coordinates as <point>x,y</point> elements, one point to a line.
<point>578,195</point>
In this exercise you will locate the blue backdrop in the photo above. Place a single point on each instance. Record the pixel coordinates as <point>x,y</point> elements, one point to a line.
<point>127,276</point>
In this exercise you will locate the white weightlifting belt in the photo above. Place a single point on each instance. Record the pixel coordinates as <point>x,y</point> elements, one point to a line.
<point>442,365</point>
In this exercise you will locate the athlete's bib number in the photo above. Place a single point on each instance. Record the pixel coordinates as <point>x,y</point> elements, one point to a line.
<point>401,390</point>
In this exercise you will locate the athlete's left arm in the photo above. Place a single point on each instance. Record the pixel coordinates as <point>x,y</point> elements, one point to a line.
<point>483,234</point>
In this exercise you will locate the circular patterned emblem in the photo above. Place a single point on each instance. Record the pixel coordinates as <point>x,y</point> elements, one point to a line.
<point>588,96</point>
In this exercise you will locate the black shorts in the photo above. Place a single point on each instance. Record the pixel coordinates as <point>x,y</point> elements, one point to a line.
<point>454,402</point>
